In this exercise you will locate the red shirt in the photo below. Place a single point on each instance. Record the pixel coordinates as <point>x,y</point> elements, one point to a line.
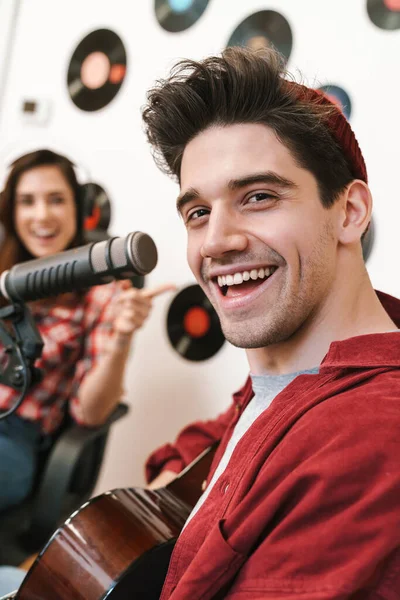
<point>309,505</point>
<point>74,338</point>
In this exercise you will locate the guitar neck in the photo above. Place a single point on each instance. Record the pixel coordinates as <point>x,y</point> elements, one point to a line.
<point>188,485</point>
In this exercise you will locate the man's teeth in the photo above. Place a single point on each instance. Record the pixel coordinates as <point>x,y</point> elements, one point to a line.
<point>238,278</point>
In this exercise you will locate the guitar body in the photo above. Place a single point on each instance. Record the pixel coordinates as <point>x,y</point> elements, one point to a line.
<point>118,545</point>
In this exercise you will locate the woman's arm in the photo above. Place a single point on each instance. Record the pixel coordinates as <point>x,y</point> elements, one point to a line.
<point>102,387</point>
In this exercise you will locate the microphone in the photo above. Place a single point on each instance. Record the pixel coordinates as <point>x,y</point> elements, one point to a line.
<point>93,264</point>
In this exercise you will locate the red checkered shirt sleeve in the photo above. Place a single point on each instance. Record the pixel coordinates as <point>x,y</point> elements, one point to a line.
<point>99,315</point>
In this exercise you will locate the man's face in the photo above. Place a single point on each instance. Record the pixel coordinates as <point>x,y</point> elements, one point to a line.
<point>260,243</point>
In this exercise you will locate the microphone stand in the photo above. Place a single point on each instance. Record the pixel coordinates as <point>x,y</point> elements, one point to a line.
<point>21,350</point>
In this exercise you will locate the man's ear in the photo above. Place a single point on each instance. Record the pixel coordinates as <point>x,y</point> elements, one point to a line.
<point>356,212</point>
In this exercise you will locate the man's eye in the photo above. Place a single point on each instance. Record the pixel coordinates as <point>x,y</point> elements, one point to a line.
<point>196,214</point>
<point>260,196</point>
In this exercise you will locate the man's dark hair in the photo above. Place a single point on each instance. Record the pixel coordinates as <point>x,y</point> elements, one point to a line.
<point>245,86</point>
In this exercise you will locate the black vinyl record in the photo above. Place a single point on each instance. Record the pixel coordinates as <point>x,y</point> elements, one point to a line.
<point>385,14</point>
<point>193,326</point>
<point>178,15</point>
<point>96,70</point>
<point>339,97</point>
<point>263,29</point>
<point>96,220</point>
<point>368,240</point>
<point>96,210</point>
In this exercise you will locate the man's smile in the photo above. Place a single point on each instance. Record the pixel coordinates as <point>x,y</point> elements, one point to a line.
<point>238,289</point>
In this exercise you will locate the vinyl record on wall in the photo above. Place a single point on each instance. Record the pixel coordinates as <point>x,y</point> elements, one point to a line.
<point>96,211</point>
<point>263,29</point>
<point>178,15</point>
<point>193,326</point>
<point>368,240</point>
<point>338,96</point>
<point>385,14</point>
<point>96,70</point>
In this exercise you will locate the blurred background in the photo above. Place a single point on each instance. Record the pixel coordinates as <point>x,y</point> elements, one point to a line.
<point>73,77</point>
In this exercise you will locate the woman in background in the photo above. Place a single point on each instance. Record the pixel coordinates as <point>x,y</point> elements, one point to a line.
<point>86,335</point>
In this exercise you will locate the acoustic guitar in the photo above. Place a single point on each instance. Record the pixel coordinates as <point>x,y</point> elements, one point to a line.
<point>118,545</point>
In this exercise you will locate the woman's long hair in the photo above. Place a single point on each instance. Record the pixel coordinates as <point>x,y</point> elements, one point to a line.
<point>13,250</point>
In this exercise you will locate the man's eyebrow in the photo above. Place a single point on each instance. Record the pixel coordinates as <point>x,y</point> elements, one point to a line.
<point>236,184</point>
<point>188,196</point>
<point>268,177</point>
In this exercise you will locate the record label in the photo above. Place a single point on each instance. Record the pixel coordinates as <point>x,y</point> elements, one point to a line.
<point>196,322</point>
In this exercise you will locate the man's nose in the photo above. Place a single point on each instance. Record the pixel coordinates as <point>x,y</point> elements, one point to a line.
<point>224,234</point>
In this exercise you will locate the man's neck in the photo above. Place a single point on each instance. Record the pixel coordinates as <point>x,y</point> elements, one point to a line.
<point>348,311</point>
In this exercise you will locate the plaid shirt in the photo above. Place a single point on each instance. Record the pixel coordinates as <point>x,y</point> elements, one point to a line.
<point>74,338</point>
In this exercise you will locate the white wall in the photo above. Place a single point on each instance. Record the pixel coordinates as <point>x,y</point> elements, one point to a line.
<point>8,16</point>
<point>340,46</point>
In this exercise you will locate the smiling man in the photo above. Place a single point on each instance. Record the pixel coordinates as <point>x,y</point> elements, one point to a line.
<point>303,497</point>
